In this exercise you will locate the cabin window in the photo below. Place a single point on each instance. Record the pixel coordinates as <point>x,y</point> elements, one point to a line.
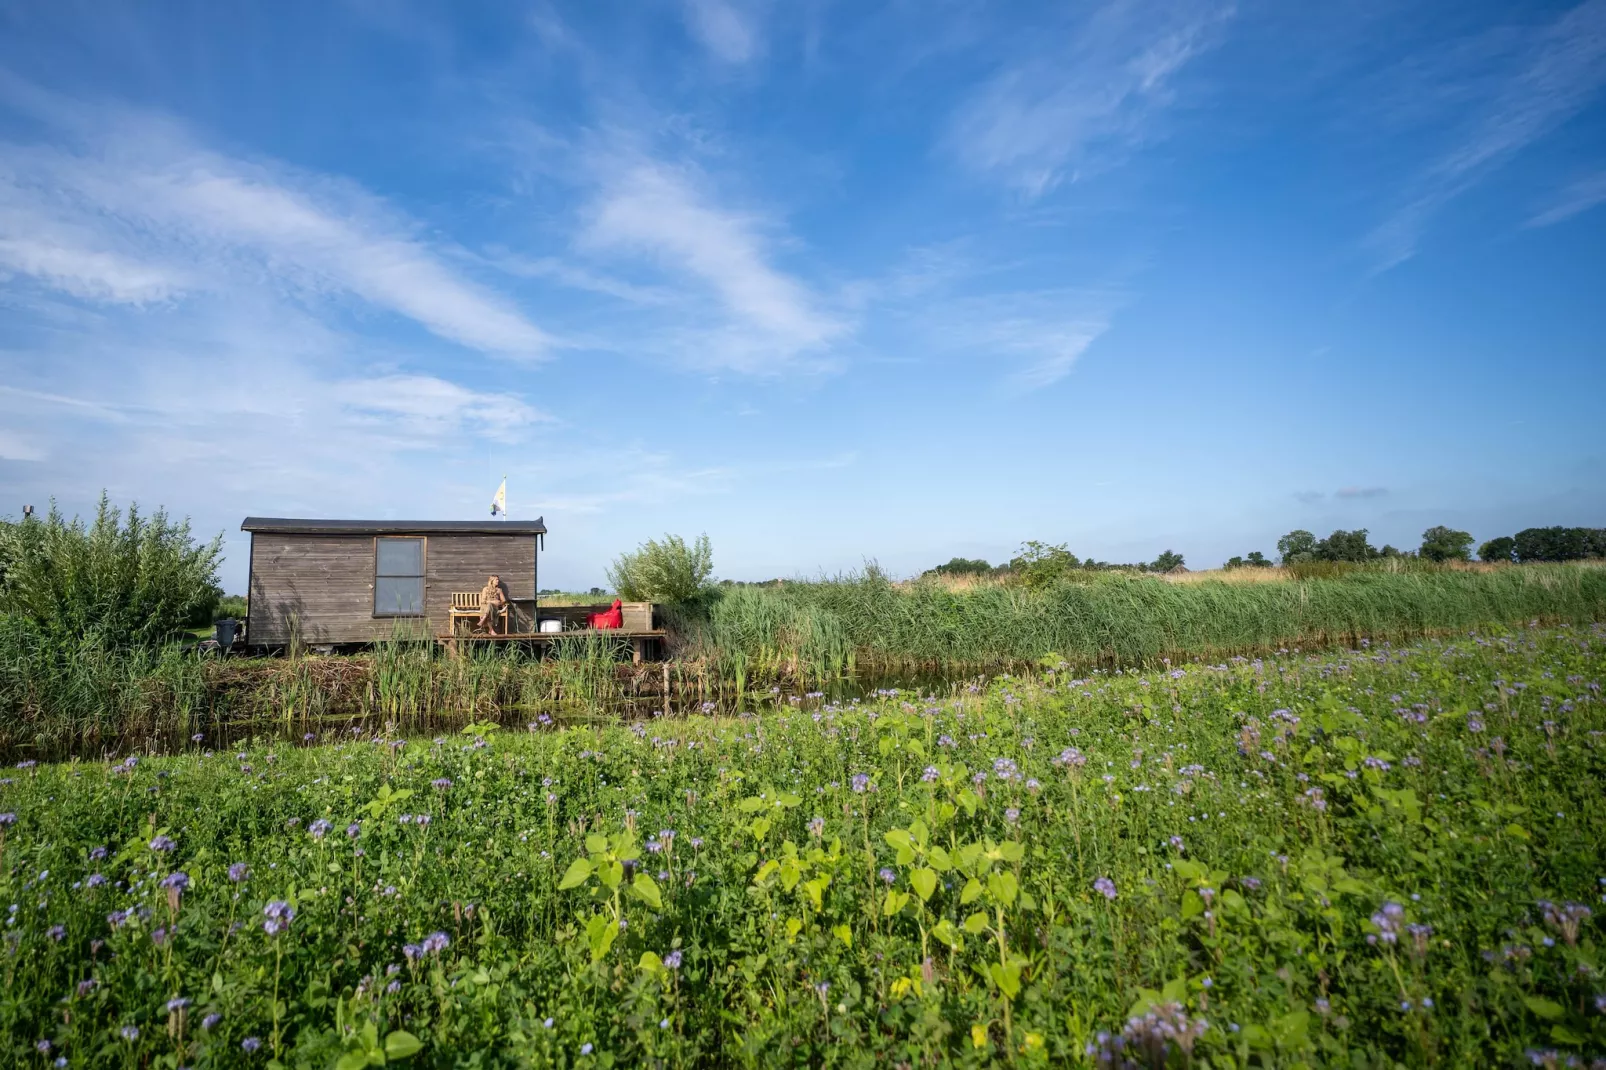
<point>398,577</point>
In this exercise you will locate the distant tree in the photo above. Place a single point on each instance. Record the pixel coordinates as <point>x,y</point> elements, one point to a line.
<point>1346,546</point>
<point>668,571</point>
<point>1167,561</point>
<point>1560,544</point>
<point>1297,545</point>
<point>1234,562</point>
<point>1503,549</point>
<point>962,566</point>
<point>1440,543</point>
<point>1392,551</point>
<point>1256,559</point>
<point>1038,564</point>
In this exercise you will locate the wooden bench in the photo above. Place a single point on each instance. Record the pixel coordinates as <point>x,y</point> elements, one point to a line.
<point>466,607</point>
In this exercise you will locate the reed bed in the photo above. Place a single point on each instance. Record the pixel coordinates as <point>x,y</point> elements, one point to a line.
<point>813,628</point>
<point>84,699</point>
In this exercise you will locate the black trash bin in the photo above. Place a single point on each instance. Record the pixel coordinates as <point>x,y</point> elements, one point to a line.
<point>225,631</point>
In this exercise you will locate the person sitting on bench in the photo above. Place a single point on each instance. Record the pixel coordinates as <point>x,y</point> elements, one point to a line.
<point>493,599</point>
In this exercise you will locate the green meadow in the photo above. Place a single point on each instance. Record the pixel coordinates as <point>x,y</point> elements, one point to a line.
<point>1387,855</point>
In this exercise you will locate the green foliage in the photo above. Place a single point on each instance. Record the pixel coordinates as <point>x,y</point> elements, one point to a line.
<point>1502,549</point>
<point>1254,559</point>
<point>1559,544</point>
<point>669,572</point>
<point>1039,564</point>
<point>1440,543</point>
<point>120,581</point>
<point>962,566</point>
<point>1318,861</point>
<point>1167,561</point>
<point>1298,545</point>
<point>230,606</point>
<point>1346,546</point>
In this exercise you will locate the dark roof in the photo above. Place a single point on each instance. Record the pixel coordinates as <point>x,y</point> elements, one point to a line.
<point>282,526</point>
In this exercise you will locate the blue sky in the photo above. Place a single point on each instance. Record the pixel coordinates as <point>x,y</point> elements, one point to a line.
<point>828,281</point>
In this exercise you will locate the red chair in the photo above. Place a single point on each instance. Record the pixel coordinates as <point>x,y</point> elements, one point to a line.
<point>612,617</point>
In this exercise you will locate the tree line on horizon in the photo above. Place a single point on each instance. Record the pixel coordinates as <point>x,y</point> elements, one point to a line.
<point>1037,562</point>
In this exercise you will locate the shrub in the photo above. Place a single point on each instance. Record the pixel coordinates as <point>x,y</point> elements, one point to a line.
<point>124,582</point>
<point>1167,561</point>
<point>669,571</point>
<point>1440,543</point>
<point>1038,564</point>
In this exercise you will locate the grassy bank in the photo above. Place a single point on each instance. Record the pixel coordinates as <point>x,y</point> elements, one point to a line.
<point>86,700</point>
<point>1373,859</point>
<point>62,699</point>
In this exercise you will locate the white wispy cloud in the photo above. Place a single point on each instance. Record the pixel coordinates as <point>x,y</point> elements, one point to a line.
<point>1557,70</point>
<point>651,209</point>
<point>1093,90</point>
<point>1035,336</point>
<point>427,407</point>
<point>727,28</point>
<point>1573,199</point>
<point>129,209</point>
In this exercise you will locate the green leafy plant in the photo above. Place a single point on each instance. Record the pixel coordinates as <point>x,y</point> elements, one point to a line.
<point>669,571</point>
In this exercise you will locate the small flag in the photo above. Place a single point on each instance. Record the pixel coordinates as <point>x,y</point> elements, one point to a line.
<point>499,503</point>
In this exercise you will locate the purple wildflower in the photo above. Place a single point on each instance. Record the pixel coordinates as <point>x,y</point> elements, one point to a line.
<point>279,914</point>
<point>1387,921</point>
<point>1105,887</point>
<point>238,872</point>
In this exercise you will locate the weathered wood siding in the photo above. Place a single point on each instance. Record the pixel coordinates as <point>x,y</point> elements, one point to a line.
<point>323,584</point>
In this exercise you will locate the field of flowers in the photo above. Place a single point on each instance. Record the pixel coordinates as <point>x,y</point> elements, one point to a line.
<point>1394,855</point>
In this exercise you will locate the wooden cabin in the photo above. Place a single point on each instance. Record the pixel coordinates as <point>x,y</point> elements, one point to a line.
<point>347,582</point>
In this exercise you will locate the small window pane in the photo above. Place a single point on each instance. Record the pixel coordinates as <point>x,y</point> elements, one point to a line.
<point>400,557</point>
<point>399,596</point>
